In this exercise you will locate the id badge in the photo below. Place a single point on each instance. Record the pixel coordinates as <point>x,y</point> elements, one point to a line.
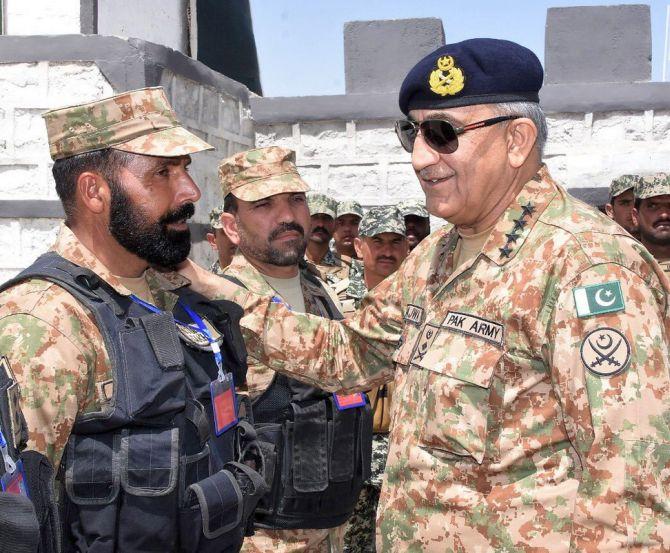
<point>223,403</point>
<point>15,482</point>
<point>349,401</point>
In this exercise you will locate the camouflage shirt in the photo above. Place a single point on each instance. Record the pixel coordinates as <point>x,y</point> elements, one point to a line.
<point>56,351</point>
<point>522,422</point>
<point>216,268</point>
<point>354,288</point>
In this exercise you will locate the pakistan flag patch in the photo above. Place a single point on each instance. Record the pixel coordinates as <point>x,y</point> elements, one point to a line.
<point>597,299</point>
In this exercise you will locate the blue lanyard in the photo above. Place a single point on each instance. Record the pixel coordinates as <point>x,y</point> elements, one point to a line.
<point>216,350</point>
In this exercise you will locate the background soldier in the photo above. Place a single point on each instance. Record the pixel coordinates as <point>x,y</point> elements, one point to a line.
<point>219,241</point>
<point>89,333</point>
<point>332,268</point>
<point>268,218</point>
<point>349,215</point>
<point>651,215</point>
<point>417,221</point>
<point>533,381</point>
<point>621,202</point>
<point>382,247</point>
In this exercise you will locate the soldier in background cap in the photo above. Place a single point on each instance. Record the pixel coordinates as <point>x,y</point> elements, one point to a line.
<point>332,268</point>
<point>89,334</point>
<point>621,202</point>
<point>267,217</point>
<point>219,241</point>
<point>417,221</point>
<point>382,247</point>
<point>349,213</point>
<point>651,215</point>
<point>532,369</point>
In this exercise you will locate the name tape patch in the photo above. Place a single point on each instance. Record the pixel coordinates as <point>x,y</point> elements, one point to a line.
<point>472,325</point>
<point>414,314</point>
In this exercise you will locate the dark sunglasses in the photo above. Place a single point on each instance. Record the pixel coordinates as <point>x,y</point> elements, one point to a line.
<point>440,135</point>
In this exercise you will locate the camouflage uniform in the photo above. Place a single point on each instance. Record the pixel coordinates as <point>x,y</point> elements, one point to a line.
<point>510,431</point>
<point>619,185</point>
<point>53,345</point>
<point>360,536</point>
<point>215,223</point>
<point>333,268</point>
<point>413,207</point>
<point>235,178</point>
<point>349,207</point>
<point>649,186</point>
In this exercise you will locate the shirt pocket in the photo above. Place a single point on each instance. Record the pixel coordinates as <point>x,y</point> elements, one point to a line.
<point>456,410</point>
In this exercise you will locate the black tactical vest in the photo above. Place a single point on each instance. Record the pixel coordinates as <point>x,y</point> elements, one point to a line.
<point>316,456</point>
<point>148,473</point>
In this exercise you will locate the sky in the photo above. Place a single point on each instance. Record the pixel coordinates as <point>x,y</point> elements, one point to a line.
<point>300,42</point>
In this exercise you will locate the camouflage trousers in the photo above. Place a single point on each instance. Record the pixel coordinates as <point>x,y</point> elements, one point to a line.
<point>360,536</point>
<point>295,541</point>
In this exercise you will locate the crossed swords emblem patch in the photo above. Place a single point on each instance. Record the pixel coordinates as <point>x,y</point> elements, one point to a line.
<point>605,352</point>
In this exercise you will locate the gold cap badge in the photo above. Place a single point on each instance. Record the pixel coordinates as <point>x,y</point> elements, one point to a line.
<point>446,79</point>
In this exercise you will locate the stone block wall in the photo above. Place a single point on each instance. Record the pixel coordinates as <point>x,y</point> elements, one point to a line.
<point>209,104</point>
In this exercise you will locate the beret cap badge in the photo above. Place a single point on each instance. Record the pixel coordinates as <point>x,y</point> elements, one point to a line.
<point>446,79</point>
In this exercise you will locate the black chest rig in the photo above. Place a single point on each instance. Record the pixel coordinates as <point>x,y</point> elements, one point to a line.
<point>316,456</point>
<point>147,472</point>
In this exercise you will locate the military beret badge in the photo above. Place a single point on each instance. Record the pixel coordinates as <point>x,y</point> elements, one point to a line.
<point>446,79</point>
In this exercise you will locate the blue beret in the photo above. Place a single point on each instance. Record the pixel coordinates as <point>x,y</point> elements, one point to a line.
<point>475,71</point>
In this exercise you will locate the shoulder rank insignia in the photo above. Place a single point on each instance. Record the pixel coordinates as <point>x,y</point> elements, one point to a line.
<point>597,299</point>
<point>446,79</point>
<point>605,352</point>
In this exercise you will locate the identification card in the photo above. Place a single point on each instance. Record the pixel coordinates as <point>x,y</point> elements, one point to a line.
<point>15,482</point>
<point>223,403</point>
<point>349,401</point>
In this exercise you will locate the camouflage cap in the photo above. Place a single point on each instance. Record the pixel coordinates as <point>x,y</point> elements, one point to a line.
<point>649,186</point>
<point>413,207</point>
<point>382,219</point>
<point>349,207</point>
<point>140,121</point>
<point>256,174</point>
<point>623,183</point>
<point>215,217</point>
<point>320,203</point>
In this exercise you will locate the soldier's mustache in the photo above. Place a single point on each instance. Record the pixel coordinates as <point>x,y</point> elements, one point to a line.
<point>386,258</point>
<point>320,229</point>
<point>284,227</point>
<point>186,211</point>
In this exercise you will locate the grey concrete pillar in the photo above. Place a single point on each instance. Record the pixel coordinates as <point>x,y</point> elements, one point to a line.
<point>598,44</point>
<point>378,54</point>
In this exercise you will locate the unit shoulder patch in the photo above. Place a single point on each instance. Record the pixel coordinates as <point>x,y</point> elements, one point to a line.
<point>597,299</point>
<point>472,325</point>
<point>605,352</point>
<point>414,314</point>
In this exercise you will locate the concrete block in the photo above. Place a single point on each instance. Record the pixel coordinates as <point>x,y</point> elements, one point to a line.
<point>324,139</point>
<point>211,102</point>
<point>566,129</point>
<point>37,236</point>
<point>219,143</point>
<point>311,174</point>
<point>609,44</point>
<point>246,122</point>
<point>21,83</point>
<point>30,134</point>
<point>42,17</point>
<point>374,138</point>
<point>230,115</point>
<point>610,127</point>
<point>186,98</point>
<point>6,274</point>
<point>354,181</point>
<point>20,182</point>
<point>378,54</point>
<point>10,244</point>
<point>275,135</point>
<point>401,182</point>
<point>74,83</point>
<point>661,126</point>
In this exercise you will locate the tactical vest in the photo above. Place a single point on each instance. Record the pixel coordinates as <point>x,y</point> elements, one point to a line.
<point>148,473</point>
<point>316,457</point>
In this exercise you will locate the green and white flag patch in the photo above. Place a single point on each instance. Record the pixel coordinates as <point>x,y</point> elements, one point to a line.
<point>597,299</point>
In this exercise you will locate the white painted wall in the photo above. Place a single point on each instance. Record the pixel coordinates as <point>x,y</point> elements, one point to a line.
<point>160,21</point>
<point>42,17</point>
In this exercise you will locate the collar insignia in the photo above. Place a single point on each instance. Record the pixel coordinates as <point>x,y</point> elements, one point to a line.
<point>446,79</point>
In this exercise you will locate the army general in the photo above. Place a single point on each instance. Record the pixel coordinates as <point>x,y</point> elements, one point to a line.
<point>528,342</point>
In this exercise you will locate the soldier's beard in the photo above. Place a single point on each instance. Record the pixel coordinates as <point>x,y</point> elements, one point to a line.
<point>152,241</point>
<point>290,254</point>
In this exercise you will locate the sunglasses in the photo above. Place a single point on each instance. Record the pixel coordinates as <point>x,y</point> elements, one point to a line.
<point>440,135</point>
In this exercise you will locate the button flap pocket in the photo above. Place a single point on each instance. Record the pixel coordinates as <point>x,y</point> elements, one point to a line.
<point>164,340</point>
<point>220,501</point>
<point>310,447</point>
<point>149,461</point>
<point>344,440</point>
<point>92,469</point>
